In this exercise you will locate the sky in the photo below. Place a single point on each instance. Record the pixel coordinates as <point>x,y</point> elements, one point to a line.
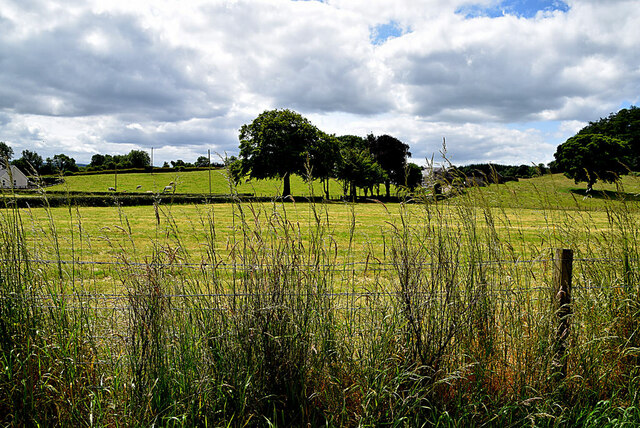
<point>501,81</point>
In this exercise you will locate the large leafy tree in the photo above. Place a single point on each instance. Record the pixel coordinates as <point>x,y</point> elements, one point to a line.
<point>98,160</point>
<point>29,162</point>
<point>6,153</point>
<point>139,159</point>
<point>323,154</point>
<point>592,157</point>
<point>276,144</point>
<point>356,167</point>
<point>60,164</point>
<point>202,162</point>
<point>391,154</point>
<point>413,176</point>
<point>624,125</point>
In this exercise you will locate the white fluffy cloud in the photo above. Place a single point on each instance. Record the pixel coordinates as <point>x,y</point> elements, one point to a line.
<point>105,77</point>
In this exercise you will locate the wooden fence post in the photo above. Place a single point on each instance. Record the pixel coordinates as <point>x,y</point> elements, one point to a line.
<point>562,267</point>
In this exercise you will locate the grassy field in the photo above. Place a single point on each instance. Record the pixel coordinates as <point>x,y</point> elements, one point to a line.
<point>189,182</point>
<point>558,192</point>
<point>525,193</point>
<point>534,209</point>
<point>290,314</point>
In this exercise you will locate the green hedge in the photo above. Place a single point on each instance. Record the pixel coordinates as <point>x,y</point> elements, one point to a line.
<point>109,199</point>
<point>56,199</point>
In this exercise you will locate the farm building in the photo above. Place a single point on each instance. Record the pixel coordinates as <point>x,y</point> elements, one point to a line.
<point>13,178</point>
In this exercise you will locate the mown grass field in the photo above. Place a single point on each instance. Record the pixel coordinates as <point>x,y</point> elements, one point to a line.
<point>530,207</point>
<point>189,182</point>
<point>429,312</point>
<point>533,215</point>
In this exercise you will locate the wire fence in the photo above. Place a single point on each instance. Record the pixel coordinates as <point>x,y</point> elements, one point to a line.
<point>354,268</point>
<point>238,266</point>
<point>111,316</point>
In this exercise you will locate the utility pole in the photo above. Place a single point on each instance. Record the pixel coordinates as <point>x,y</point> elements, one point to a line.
<point>209,156</point>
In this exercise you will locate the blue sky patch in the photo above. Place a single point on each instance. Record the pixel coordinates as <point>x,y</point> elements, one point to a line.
<point>519,8</point>
<point>383,32</point>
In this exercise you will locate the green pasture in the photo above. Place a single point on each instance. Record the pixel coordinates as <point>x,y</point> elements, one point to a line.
<point>190,182</point>
<point>359,235</point>
<point>529,218</point>
<point>394,312</point>
<point>555,191</point>
<point>531,214</point>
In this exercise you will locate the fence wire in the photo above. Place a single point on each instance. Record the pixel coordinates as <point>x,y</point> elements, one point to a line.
<point>110,315</point>
<point>51,300</point>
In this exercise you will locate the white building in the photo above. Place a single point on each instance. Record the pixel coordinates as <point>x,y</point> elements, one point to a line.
<point>13,178</point>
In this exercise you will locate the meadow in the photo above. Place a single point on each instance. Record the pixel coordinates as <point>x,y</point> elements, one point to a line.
<point>189,182</point>
<point>421,313</point>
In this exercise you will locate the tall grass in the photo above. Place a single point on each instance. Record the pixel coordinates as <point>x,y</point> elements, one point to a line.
<point>451,323</point>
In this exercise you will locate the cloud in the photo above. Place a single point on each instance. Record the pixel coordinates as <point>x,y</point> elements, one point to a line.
<point>303,55</point>
<point>468,143</point>
<point>89,77</point>
<point>510,69</point>
<point>103,64</point>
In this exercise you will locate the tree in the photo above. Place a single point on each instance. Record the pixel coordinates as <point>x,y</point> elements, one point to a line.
<point>139,159</point>
<point>202,162</point>
<point>323,157</point>
<point>356,167</point>
<point>60,164</point>
<point>98,161</point>
<point>592,157</point>
<point>413,176</point>
<point>6,152</point>
<point>391,154</point>
<point>29,162</point>
<point>234,169</point>
<point>624,125</point>
<point>179,164</point>
<point>275,145</point>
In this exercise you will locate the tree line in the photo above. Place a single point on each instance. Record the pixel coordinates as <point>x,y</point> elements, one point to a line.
<point>281,142</point>
<point>31,162</point>
<point>140,159</point>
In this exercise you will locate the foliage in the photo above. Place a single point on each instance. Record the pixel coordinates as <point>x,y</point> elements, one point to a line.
<point>323,155</point>
<point>180,164</point>
<point>276,144</point>
<point>139,159</point>
<point>592,157</point>
<point>412,176</point>
<point>30,162</point>
<point>134,159</point>
<point>623,125</point>
<point>496,173</point>
<point>59,164</point>
<point>202,162</point>
<point>6,152</point>
<point>391,154</point>
<point>356,167</point>
<point>234,168</point>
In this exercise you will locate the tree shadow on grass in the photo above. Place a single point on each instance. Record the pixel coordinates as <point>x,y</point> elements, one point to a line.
<point>607,194</point>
